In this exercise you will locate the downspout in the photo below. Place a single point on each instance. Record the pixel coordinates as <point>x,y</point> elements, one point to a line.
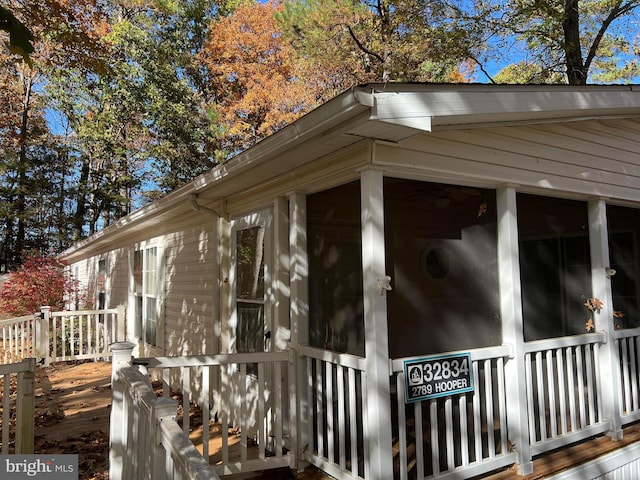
<point>193,200</point>
<point>217,304</point>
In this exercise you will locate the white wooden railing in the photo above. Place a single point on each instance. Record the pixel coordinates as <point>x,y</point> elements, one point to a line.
<point>60,336</point>
<point>564,400</point>
<point>248,391</point>
<point>336,432</point>
<point>441,437</point>
<point>84,334</point>
<point>17,387</point>
<point>18,338</point>
<point>146,443</point>
<point>627,345</point>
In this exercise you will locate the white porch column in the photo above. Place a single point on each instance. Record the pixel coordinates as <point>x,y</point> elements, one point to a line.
<point>378,412</point>
<point>601,285</point>
<point>512,326</point>
<point>299,311</point>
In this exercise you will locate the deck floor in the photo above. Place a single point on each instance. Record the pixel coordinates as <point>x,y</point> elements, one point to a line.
<point>555,462</point>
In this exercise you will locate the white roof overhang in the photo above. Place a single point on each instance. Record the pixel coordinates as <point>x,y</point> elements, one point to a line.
<point>390,112</point>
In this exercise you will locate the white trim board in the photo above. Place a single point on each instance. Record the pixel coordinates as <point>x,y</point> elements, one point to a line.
<point>601,466</point>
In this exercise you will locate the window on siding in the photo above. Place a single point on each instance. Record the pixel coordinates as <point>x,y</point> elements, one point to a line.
<point>145,291</point>
<point>555,265</point>
<point>624,252</point>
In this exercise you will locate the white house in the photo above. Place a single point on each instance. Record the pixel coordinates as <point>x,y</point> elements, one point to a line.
<point>482,239</point>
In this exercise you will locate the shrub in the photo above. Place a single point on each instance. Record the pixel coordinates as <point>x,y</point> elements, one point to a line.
<point>40,280</point>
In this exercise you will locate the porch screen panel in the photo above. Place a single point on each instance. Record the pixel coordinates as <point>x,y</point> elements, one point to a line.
<point>624,248</point>
<point>441,246</point>
<point>336,319</point>
<point>555,265</point>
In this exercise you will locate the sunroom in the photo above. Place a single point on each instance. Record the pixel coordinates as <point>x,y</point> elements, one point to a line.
<point>537,293</point>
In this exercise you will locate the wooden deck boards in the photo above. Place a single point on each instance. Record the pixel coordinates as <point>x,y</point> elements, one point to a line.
<point>563,459</point>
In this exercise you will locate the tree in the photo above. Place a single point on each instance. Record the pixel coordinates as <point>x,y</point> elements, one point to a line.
<point>385,40</point>
<point>582,40</point>
<point>253,76</point>
<point>20,38</point>
<point>41,280</point>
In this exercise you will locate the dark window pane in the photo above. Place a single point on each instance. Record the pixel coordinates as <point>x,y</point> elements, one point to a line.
<point>137,271</point>
<point>250,331</point>
<point>250,263</point>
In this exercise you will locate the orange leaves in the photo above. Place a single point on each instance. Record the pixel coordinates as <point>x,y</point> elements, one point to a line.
<point>589,326</point>
<point>593,304</point>
<point>253,74</point>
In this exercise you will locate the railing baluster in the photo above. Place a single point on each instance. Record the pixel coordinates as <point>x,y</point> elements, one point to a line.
<point>464,431</point>
<point>330,432</point>
<point>262,435</point>
<point>591,392</point>
<point>562,391</point>
<point>342,455</point>
<point>320,408</point>
<point>402,428</point>
<point>572,386</point>
<point>477,418</point>
<point>448,425</point>
<point>634,369</point>
<point>624,358</point>
<point>353,420</point>
<point>553,422</point>
<point>420,460</point>
<point>581,398</point>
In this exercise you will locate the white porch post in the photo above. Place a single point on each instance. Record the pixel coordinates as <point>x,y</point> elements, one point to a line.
<point>117,429</point>
<point>299,308</point>
<point>601,285</point>
<point>512,326</point>
<point>377,417</point>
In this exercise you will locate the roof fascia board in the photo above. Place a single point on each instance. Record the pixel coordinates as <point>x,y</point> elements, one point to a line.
<point>437,108</point>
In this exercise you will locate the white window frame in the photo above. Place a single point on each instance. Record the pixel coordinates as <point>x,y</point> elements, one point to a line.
<point>150,295</point>
<point>263,219</point>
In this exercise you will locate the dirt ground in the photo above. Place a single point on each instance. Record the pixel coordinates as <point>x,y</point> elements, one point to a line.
<point>73,403</point>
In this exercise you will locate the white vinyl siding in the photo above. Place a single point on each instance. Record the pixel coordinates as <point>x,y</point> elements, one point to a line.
<point>192,321</point>
<point>599,158</point>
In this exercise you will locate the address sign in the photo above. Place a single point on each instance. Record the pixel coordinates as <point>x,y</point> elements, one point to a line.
<point>438,376</point>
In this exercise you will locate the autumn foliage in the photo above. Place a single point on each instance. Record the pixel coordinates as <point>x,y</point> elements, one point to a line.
<point>41,280</point>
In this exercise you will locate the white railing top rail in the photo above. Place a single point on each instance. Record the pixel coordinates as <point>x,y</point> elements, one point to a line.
<point>626,333</point>
<point>478,354</point>
<point>73,313</point>
<point>344,359</point>
<point>12,321</point>
<point>26,365</point>
<point>186,459</point>
<point>211,360</point>
<point>565,342</point>
<point>184,454</point>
